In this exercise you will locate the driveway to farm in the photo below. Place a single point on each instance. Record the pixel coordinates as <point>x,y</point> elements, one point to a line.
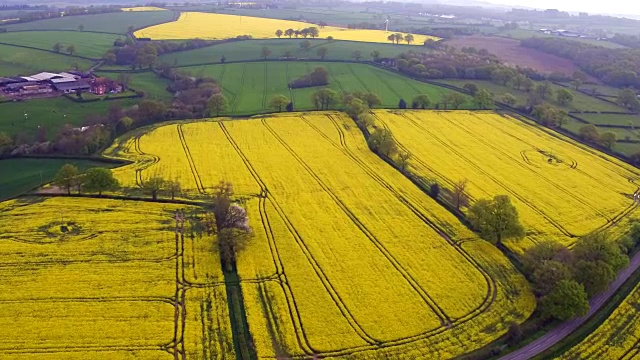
<point>554,336</point>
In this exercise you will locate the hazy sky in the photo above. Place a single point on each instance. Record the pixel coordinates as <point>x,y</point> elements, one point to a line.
<point>631,7</point>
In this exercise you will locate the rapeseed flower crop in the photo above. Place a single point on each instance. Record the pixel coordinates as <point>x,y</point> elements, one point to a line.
<point>562,189</point>
<point>346,252</point>
<point>111,282</point>
<point>209,26</point>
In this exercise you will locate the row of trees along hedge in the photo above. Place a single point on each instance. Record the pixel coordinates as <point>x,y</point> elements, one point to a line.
<point>94,180</point>
<point>68,11</point>
<point>615,67</point>
<point>563,280</point>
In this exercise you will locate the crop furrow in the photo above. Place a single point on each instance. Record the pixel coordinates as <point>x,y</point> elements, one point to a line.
<point>444,319</point>
<point>192,165</point>
<point>491,285</point>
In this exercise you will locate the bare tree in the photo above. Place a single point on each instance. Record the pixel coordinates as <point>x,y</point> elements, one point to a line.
<point>231,223</point>
<point>403,160</point>
<point>460,197</point>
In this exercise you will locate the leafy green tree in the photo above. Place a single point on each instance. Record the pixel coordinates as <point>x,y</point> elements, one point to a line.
<point>278,101</point>
<point>629,99</point>
<point>323,99</point>
<point>455,99</point>
<point>57,47</point>
<point>402,104</point>
<point>153,186</point>
<point>354,107</point>
<point>381,141</point>
<point>496,219</point>
<point>547,275</point>
<point>509,99</point>
<point>71,49</point>
<point>566,301</point>
<point>398,37</point>
<point>289,33</point>
<point>322,52</point>
<point>80,27</point>
<point>483,99</point>
<point>67,177</point>
<point>99,180</point>
<point>391,38</point>
<point>356,55</point>
<point>409,38</point>
<point>314,32</point>
<point>421,101</point>
<point>598,247</point>
<point>542,252</point>
<point>564,97</point>
<point>218,103</point>
<point>290,106</point>
<point>375,55</point>
<point>589,133</point>
<point>471,88</point>
<point>608,139</point>
<point>279,33</point>
<point>594,275</point>
<point>543,90</point>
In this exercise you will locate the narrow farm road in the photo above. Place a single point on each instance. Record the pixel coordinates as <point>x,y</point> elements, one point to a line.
<point>554,336</point>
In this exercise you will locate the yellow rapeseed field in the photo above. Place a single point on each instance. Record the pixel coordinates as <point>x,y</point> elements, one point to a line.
<point>347,254</point>
<point>144,8</point>
<point>98,278</point>
<point>210,26</point>
<point>562,189</point>
<point>617,338</point>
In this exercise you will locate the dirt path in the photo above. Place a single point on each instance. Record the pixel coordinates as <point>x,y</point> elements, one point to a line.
<point>566,328</point>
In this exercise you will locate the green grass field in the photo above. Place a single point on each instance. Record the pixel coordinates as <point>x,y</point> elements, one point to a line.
<point>581,102</point>
<point>20,61</point>
<point>116,23</point>
<point>51,113</point>
<point>612,119</point>
<point>23,174</point>
<point>153,86</point>
<point>251,50</point>
<point>87,44</point>
<point>249,86</point>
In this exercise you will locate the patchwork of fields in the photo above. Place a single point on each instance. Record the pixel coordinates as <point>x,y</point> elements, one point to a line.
<point>250,86</point>
<point>115,23</point>
<point>252,50</point>
<point>119,283</point>
<point>208,26</point>
<point>353,243</point>
<point>562,189</point>
<point>92,45</point>
<point>22,61</point>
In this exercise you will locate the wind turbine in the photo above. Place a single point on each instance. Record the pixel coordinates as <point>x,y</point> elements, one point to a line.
<point>386,25</point>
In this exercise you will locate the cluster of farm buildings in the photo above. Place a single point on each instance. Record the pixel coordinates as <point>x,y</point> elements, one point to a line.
<point>52,84</point>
